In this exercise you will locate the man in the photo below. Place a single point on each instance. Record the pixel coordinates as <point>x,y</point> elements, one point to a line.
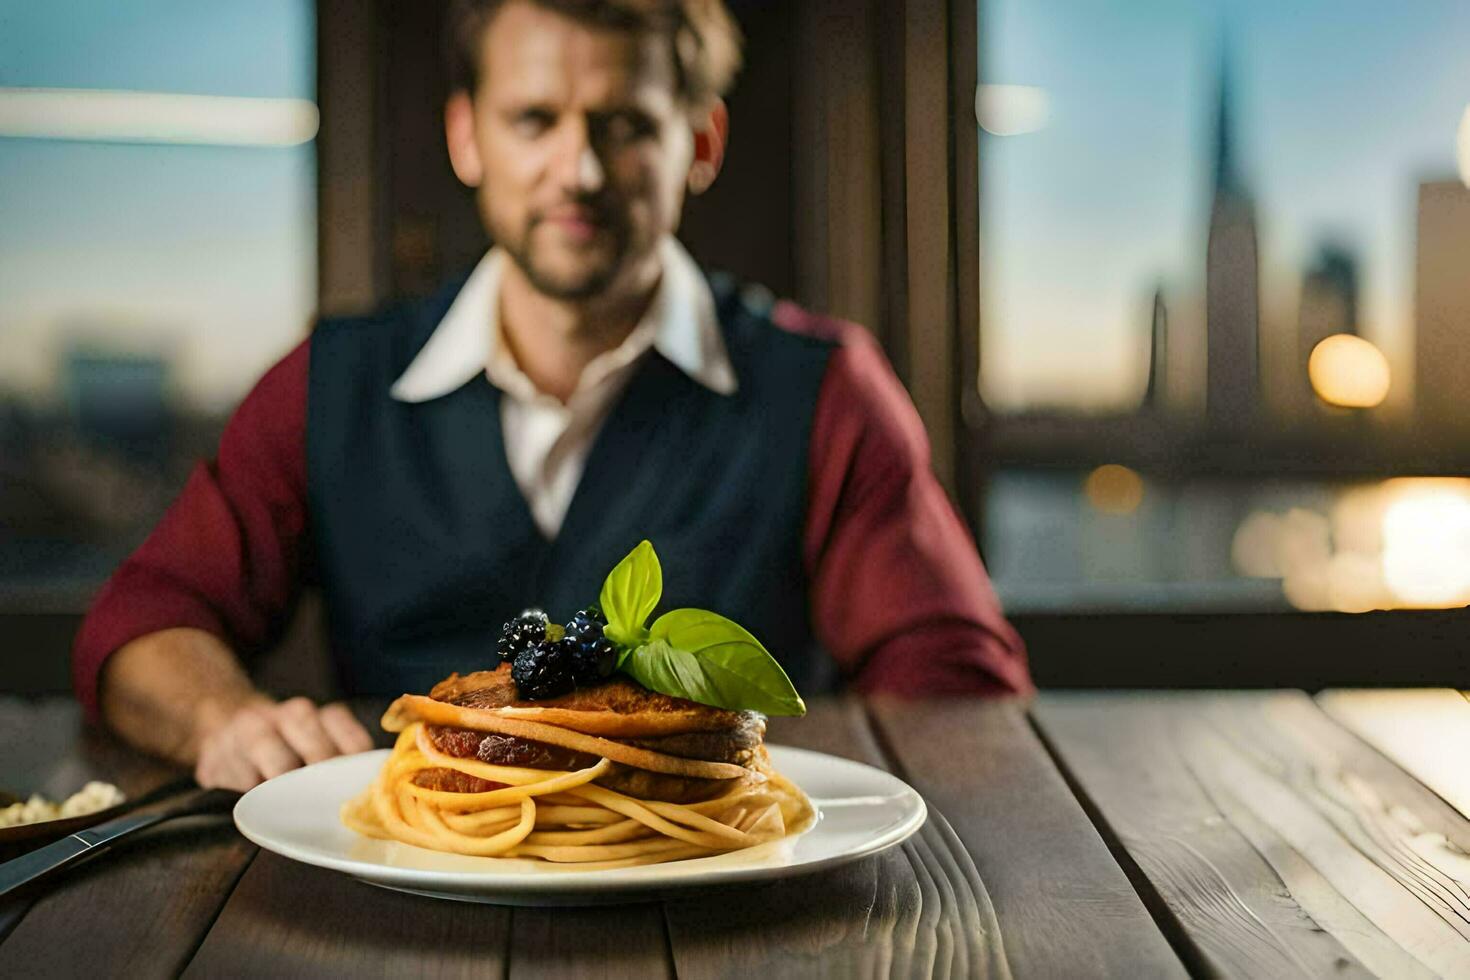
<point>437,469</point>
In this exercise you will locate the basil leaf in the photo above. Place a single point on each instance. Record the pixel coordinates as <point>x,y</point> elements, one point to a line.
<point>659,667</point>
<point>704,657</point>
<point>630,593</point>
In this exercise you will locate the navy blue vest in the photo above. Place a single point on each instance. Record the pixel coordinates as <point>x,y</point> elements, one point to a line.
<point>425,545</point>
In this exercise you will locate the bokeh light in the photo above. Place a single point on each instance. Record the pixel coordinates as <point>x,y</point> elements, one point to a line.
<point>1426,542</point>
<point>1465,147</point>
<point>1011,110</point>
<point>96,115</point>
<point>1114,489</point>
<point>1402,543</point>
<point>1348,371</point>
<point>1255,551</point>
<point>1357,519</point>
<point>1304,552</point>
<point>1354,582</point>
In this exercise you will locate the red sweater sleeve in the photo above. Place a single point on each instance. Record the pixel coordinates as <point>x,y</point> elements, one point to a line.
<point>226,557</point>
<point>899,596</point>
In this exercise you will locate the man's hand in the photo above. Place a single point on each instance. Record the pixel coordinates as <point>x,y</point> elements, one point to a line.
<point>263,739</point>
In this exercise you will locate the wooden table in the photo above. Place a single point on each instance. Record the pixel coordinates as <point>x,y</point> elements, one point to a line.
<point>1121,834</point>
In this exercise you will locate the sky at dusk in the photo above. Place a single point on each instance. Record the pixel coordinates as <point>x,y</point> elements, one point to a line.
<point>1340,106</point>
<point>203,253</point>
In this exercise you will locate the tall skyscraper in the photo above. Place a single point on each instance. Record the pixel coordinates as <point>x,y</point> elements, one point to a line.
<point>1329,296</point>
<point>1232,293</point>
<point>1442,310</point>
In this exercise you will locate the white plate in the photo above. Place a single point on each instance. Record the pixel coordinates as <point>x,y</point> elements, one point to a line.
<point>860,811</point>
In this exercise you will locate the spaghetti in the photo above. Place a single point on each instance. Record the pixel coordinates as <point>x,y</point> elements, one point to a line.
<point>562,816</point>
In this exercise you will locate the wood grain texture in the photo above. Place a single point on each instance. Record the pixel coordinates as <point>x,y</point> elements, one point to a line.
<point>288,919</point>
<point>614,941</point>
<point>916,910</point>
<point>12,910</point>
<point>1427,732</point>
<point>295,920</point>
<point>136,911</point>
<point>1285,846</point>
<point>292,920</point>
<point>140,908</point>
<point>1123,751</point>
<point>1064,905</point>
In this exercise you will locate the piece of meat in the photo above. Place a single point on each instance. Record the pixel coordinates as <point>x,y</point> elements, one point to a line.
<point>698,732</point>
<point>733,744</point>
<point>489,689</point>
<point>741,746</point>
<point>644,785</point>
<point>505,750</point>
<point>453,781</point>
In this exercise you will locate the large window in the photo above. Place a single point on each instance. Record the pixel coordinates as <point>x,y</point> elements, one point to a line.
<point>1225,296</point>
<point>157,253</point>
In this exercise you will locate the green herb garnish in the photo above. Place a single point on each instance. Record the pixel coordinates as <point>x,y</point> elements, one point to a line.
<point>689,653</point>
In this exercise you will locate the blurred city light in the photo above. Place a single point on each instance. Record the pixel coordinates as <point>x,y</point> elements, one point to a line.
<point>1465,147</point>
<point>1357,519</point>
<point>1011,110</point>
<point>1255,551</point>
<point>1114,489</point>
<point>1354,583</point>
<point>1304,552</point>
<point>1348,371</point>
<point>1402,543</point>
<point>1426,542</point>
<point>155,117</point>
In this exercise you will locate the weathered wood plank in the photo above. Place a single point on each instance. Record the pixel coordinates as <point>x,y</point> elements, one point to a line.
<point>604,942</point>
<point>292,920</point>
<point>295,920</point>
<point>918,910</point>
<point>1427,732</point>
<point>1326,853</point>
<point>1064,905</point>
<point>1125,752</point>
<point>1391,822</point>
<point>12,910</point>
<point>136,911</point>
<point>140,908</point>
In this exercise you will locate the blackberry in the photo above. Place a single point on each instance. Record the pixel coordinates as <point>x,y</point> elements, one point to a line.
<point>544,670</point>
<point>518,634</point>
<point>593,655</point>
<point>591,614</point>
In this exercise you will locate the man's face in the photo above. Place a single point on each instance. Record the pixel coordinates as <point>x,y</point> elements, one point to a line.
<point>583,149</point>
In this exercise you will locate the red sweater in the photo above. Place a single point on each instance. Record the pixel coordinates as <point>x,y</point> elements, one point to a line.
<point>898,595</point>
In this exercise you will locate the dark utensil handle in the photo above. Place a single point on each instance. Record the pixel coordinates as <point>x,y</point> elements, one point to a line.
<point>62,854</point>
<point>40,862</point>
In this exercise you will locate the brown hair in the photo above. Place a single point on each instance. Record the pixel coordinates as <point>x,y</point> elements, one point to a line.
<point>704,39</point>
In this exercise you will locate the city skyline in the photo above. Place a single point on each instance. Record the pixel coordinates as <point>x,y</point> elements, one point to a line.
<point>1079,236</point>
<point>1084,218</point>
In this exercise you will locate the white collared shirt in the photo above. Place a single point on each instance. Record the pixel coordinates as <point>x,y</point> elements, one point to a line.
<point>546,441</point>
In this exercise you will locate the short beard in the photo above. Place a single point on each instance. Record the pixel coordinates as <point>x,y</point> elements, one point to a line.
<point>587,286</point>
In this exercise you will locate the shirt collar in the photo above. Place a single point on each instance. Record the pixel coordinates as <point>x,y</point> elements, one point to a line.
<point>680,324</point>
